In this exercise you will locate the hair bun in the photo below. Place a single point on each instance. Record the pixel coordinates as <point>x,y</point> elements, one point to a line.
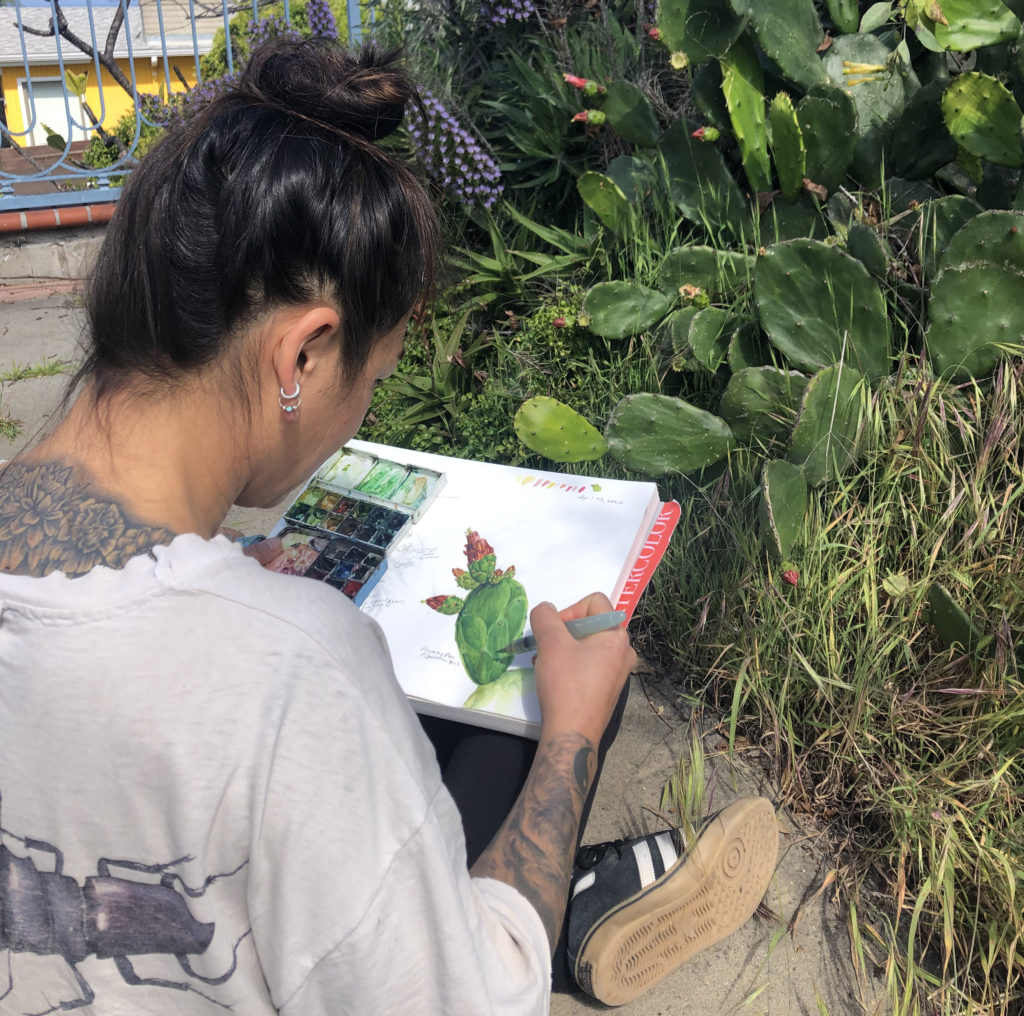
<point>362,92</point>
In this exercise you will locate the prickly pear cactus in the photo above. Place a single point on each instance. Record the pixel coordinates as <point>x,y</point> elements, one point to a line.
<point>760,403</point>
<point>973,309</point>
<point>995,238</point>
<point>634,177</point>
<point>984,118</point>
<point>698,28</point>
<point>743,88</point>
<point>606,200</point>
<point>790,32</point>
<point>940,220</point>
<point>700,183</point>
<point>630,113</point>
<point>717,272</point>
<point>618,309</point>
<point>788,146</point>
<point>820,306</point>
<point>825,440</point>
<point>871,250</point>
<point>828,124</point>
<point>658,434</point>
<point>553,429</point>
<point>492,614</point>
<point>920,143</point>
<point>782,507</point>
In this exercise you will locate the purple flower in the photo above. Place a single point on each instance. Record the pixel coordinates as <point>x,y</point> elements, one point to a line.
<point>511,10</point>
<point>452,155</point>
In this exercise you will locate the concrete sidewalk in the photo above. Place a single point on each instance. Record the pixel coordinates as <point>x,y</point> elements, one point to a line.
<point>796,962</point>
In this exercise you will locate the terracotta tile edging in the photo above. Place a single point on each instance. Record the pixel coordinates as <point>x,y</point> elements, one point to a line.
<point>55,218</point>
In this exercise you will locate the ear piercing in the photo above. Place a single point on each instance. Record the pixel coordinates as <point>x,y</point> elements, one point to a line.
<point>285,397</point>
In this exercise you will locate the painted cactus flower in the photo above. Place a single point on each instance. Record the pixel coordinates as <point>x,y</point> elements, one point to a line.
<point>490,616</point>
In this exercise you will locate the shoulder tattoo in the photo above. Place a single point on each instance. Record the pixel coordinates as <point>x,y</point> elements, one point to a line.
<point>51,520</point>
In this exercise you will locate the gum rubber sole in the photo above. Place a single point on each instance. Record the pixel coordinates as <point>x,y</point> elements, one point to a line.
<point>710,893</point>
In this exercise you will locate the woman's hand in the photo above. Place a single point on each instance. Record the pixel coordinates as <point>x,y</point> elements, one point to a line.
<point>263,550</point>
<point>579,682</point>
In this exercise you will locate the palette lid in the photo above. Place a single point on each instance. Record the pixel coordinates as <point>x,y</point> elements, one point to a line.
<point>366,477</point>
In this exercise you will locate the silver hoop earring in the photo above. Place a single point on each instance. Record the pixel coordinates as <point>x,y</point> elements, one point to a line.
<point>285,397</point>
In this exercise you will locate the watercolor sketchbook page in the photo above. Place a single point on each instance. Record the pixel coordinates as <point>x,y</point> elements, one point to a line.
<point>495,541</point>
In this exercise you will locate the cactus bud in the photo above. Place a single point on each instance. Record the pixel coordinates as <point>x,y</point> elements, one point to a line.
<point>592,88</point>
<point>694,296</point>
<point>679,61</point>
<point>476,546</point>
<point>559,322</point>
<point>591,117</point>
<point>654,33</point>
<point>575,82</point>
<point>444,604</point>
<point>791,576</point>
<point>706,134</point>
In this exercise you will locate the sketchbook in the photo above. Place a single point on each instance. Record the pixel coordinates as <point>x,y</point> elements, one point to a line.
<point>448,556</point>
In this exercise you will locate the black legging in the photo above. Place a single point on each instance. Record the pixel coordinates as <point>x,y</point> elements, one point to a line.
<point>484,771</point>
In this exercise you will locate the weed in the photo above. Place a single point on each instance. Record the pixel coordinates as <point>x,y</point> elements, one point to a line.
<point>20,372</point>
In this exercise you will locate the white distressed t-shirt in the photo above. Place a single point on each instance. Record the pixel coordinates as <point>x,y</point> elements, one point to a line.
<point>213,796</point>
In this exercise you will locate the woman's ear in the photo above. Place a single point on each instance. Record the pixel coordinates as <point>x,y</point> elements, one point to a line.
<point>304,344</point>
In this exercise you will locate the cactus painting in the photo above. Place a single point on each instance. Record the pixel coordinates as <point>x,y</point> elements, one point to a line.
<point>490,616</point>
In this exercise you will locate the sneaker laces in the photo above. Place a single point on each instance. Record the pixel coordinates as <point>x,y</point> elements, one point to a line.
<point>592,855</point>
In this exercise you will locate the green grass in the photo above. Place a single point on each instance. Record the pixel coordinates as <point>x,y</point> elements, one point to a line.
<point>20,372</point>
<point>913,749</point>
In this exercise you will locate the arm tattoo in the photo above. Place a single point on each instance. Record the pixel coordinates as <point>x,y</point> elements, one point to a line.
<point>51,520</point>
<point>534,849</point>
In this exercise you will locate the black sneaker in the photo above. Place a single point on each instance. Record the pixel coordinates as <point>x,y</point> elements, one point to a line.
<point>639,908</point>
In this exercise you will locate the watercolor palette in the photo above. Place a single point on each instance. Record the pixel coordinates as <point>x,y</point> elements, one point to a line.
<point>395,485</point>
<point>343,524</point>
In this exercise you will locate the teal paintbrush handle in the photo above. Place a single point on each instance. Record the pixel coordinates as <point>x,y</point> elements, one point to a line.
<point>580,628</point>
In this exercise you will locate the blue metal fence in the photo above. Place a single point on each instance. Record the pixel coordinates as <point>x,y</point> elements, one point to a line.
<point>71,69</point>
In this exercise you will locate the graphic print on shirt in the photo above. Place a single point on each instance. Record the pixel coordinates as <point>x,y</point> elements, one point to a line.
<point>47,913</point>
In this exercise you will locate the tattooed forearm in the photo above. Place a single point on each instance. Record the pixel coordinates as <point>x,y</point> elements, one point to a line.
<point>51,520</point>
<point>533,850</point>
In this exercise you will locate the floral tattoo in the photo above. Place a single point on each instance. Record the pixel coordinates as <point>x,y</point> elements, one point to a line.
<point>50,520</point>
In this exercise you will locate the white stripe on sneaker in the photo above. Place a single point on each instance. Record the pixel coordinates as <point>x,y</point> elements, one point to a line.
<point>667,850</point>
<point>644,863</point>
<point>584,883</point>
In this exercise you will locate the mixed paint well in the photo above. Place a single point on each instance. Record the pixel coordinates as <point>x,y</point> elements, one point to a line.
<point>341,527</point>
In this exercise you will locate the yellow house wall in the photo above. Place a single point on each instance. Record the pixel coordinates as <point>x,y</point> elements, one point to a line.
<point>106,98</point>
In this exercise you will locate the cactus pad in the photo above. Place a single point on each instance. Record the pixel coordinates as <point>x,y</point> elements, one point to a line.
<point>629,112</point>
<point>941,219</point>
<point>828,126</point>
<point>971,24</point>
<point>658,434</point>
<point>787,146</point>
<point>618,309</point>
<point>743,88</point>
<point>717,272</point>
<point>492,615</point>
<point>863,243</point>
<point>789,32</point>
<point>995,238</point>
<point>818,306</point>
<point>984,118</point>
<point>699,28</point>
<point>972,310</point>
<point>782,507</point>
<point>604,197</point>
<point>700,183</point>
<point>920,144</point>
<point>952,622</point>
<point>552,429</point>
<point>825,438</point>
<point>634,177</point>
<point>708,337</point>
<point>759,403</point>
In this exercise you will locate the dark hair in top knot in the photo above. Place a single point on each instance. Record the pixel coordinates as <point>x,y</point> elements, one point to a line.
<point>273,195</point>
<point>363,93</point>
